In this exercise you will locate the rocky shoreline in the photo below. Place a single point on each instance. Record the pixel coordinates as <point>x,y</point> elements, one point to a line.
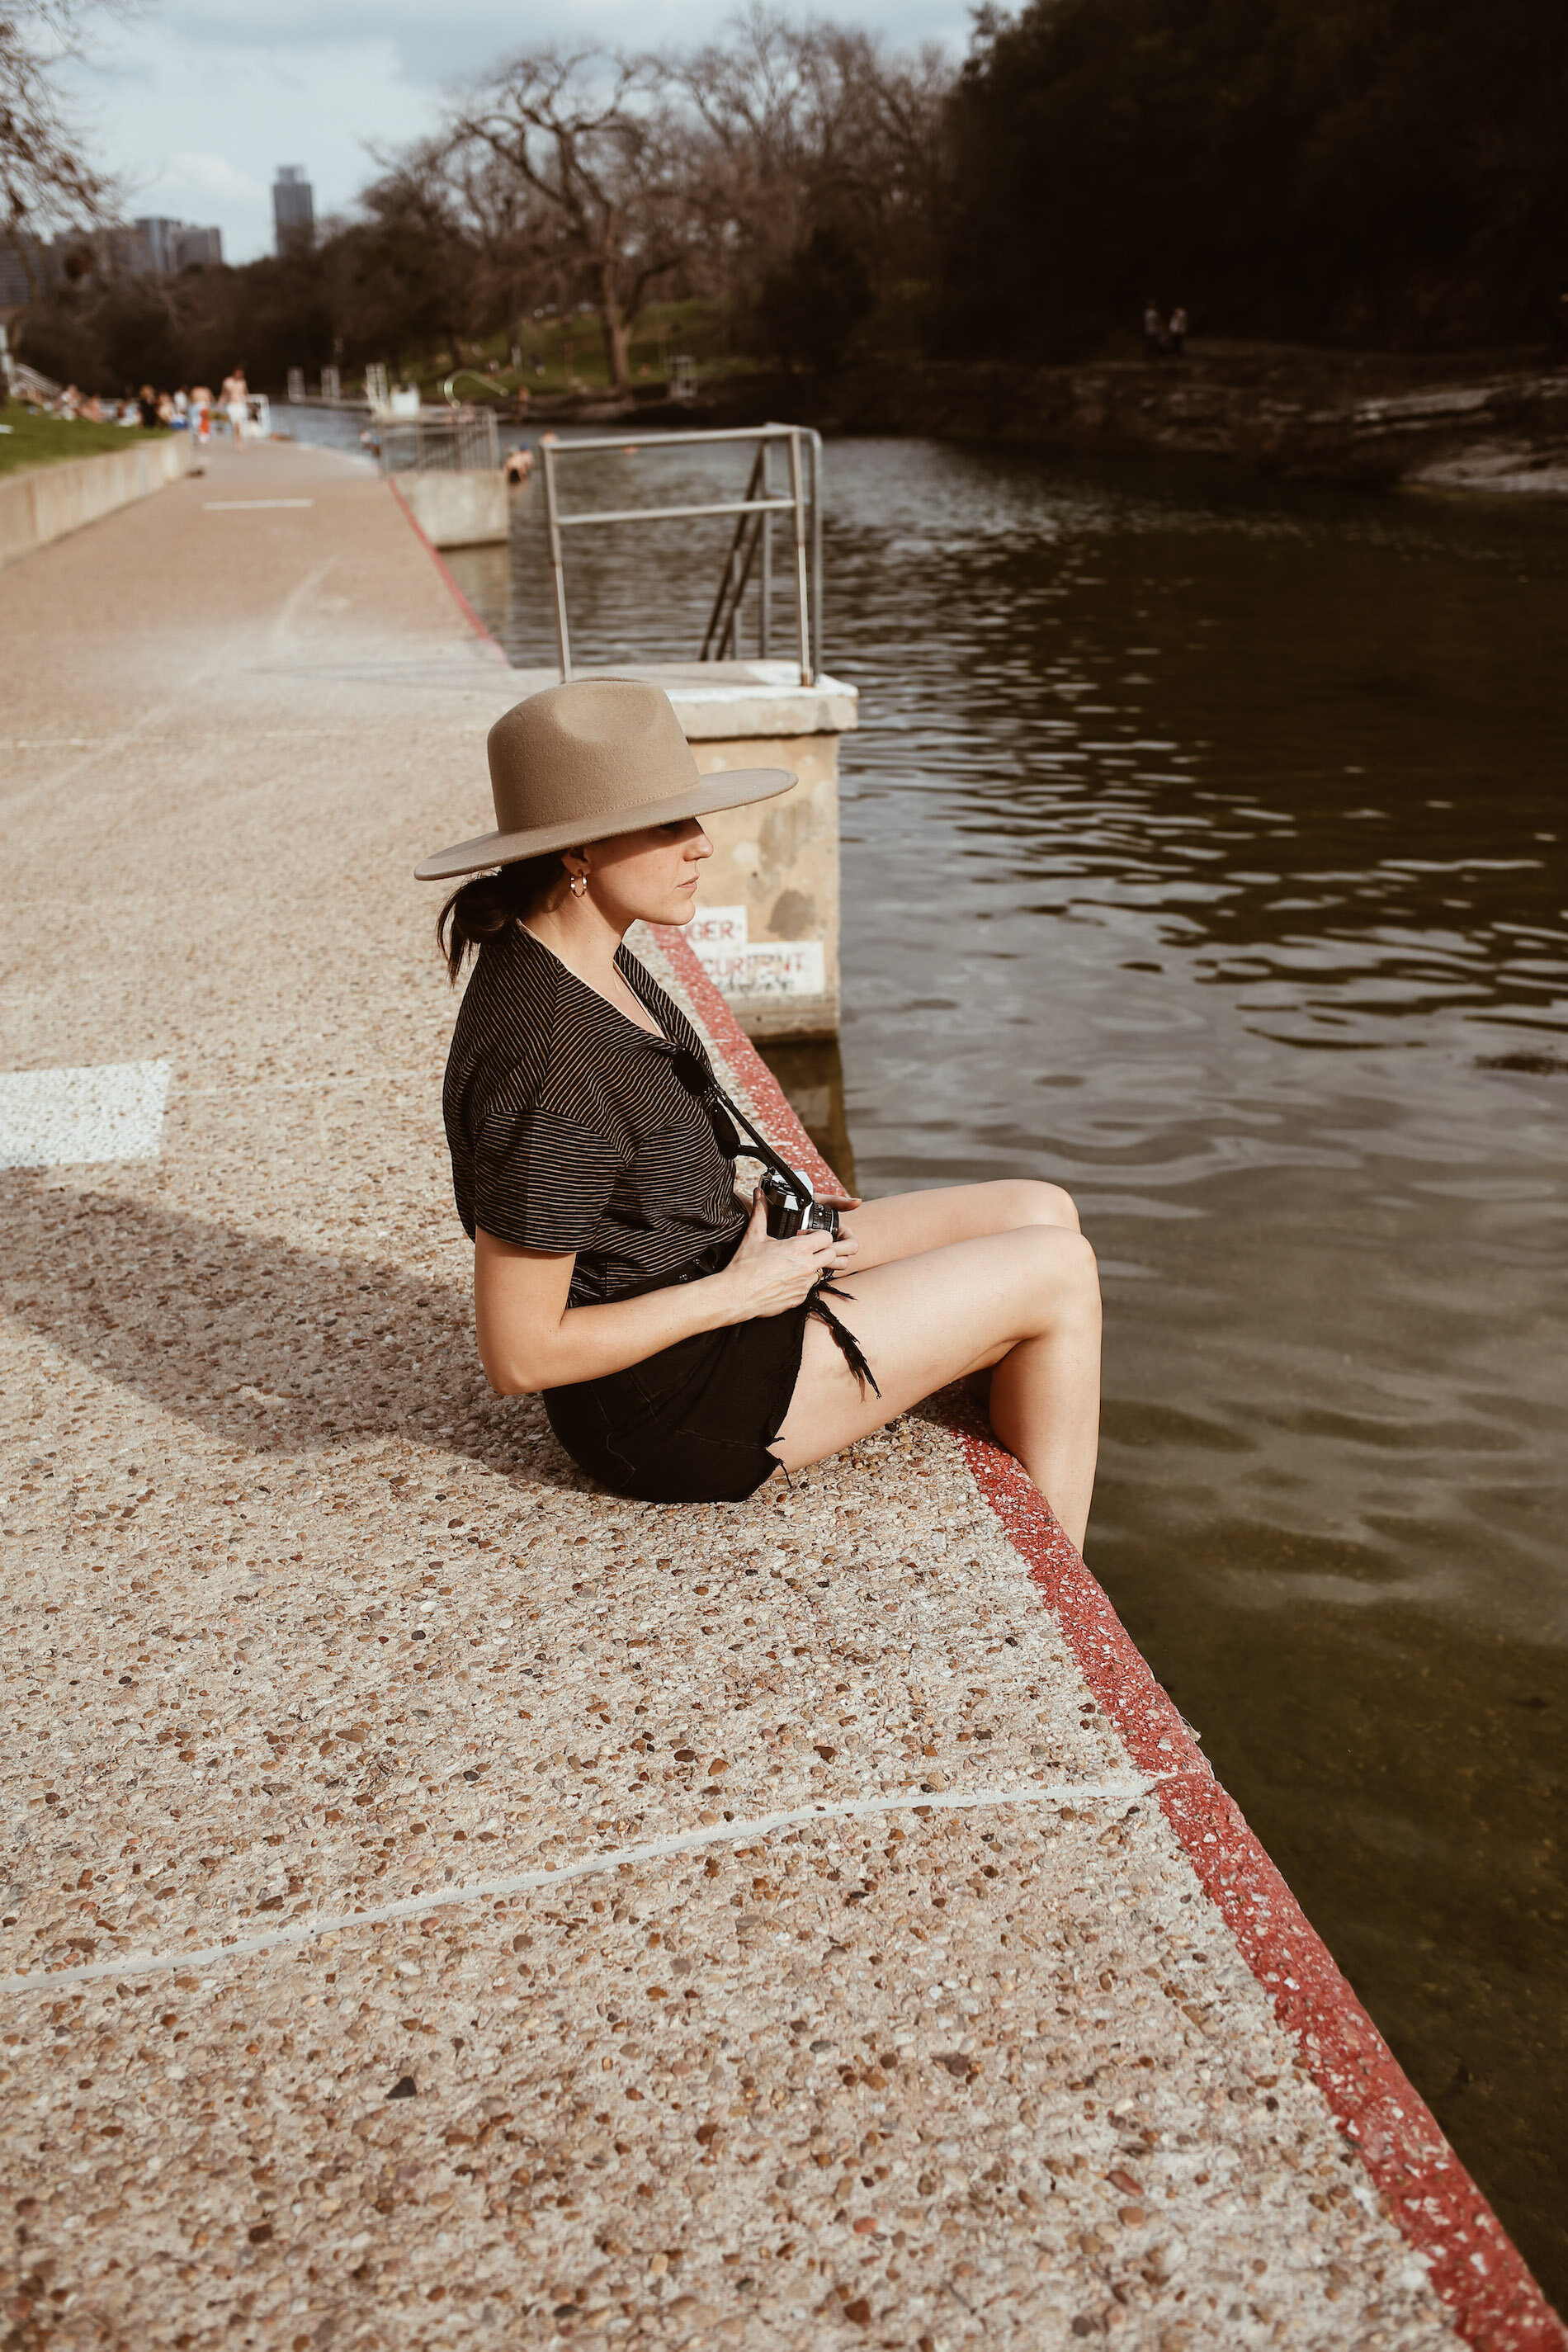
<point>1496,423</point>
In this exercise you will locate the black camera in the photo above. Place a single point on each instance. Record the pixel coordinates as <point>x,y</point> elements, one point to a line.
<point>792,1210</point>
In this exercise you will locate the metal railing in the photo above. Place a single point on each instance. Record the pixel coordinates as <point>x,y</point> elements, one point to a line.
<point>330,395</point>
<point>445,445</point>
<point>492,383</point>
<point>752,538</point>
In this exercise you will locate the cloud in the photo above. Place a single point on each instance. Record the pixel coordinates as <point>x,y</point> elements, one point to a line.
<point>197,111</point>
<point>197,130</point>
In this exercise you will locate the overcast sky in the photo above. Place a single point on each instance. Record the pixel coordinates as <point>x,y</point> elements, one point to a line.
<point>198,102</point>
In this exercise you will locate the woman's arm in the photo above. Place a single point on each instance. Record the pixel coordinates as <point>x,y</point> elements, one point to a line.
<point>530,1340</point>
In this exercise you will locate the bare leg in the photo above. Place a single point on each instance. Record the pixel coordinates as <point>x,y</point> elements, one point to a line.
<point>907,1222</point>
<point>904,1223</point>
<point>1026,1300</point>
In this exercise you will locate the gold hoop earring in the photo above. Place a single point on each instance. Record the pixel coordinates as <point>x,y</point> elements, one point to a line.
<point>579,885</point>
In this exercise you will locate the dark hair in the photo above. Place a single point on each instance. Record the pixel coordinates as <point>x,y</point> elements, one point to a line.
<point>487,905</point>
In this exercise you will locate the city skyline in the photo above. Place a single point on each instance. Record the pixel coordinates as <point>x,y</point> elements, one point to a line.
<point>197,114</point>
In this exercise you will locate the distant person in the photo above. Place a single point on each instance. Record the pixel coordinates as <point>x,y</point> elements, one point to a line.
<point>1179,333</point>
<point>1153,332</point>
<point>519,466</point>
<point>202,423</point>
<point>235,397</point>
<point>147,402</point>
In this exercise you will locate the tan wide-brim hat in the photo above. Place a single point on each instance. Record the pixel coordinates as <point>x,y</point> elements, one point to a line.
<point>587,761</point>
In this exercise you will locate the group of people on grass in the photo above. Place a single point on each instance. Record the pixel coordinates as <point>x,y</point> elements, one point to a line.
<point>191,409</point>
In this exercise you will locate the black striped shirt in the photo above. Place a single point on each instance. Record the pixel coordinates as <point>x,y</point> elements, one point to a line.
<point>569,1131</point>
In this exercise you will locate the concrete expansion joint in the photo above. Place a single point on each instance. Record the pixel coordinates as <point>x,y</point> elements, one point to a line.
<point>731,1832</point>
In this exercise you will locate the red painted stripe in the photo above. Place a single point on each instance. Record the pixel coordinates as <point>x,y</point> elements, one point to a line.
<point>1472,2262</point>
<point>458,598</point>
<point>1474,2265</point>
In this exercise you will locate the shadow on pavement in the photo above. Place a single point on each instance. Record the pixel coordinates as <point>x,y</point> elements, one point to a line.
<point>259,1342</point>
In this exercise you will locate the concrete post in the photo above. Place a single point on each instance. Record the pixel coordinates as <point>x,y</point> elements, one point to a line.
<point>767,923</point>
<point>457,510</point>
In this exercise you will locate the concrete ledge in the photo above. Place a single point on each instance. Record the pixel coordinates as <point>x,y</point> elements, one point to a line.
<point>1342,2070</point>
<point>735,700</point>
<point>457,510</point>
<point>50,500</point>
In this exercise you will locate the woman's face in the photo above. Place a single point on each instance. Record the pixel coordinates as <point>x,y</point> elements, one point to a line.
<point>649,877</point>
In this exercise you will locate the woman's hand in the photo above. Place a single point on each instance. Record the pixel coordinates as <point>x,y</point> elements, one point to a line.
<point>768,1278</point>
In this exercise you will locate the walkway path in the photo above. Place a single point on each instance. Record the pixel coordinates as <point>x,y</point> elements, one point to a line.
<point>447,1907</point>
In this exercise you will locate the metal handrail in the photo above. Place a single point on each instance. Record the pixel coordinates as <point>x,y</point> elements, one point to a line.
<point>679,514</point>
<point>459,373</point>
<point>451,444</point>
<point>807,540</point>
<point>724,620</point>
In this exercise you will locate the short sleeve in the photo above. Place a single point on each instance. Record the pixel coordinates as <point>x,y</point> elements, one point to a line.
<point>542,1180</point>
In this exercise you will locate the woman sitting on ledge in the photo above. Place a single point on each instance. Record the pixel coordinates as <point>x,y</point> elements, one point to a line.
<point>684,1353</point>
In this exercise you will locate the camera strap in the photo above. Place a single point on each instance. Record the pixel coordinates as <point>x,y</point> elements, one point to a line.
<point>724,1112</point>
<point>699,1080</point>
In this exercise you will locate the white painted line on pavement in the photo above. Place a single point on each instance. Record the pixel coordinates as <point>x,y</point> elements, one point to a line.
<point>249,506</point>
<point>56,1119</point>
<point>592,1866</point>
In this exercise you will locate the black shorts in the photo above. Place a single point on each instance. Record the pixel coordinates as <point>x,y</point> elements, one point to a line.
<point>692,1425</point>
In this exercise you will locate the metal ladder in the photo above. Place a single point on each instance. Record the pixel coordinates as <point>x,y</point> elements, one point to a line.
<point>753,532</point>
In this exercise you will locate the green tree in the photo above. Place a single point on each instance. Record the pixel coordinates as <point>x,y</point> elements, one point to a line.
<point>1359,170</point>
<point>812,308</point>
<point>586,143</point>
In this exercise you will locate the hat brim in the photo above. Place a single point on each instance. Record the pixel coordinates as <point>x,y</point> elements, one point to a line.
<point>726,788</point>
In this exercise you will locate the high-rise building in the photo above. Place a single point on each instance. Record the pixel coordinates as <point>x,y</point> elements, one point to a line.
<point>152,247</point>
<point>158,239</point>
<point>160,249</point>
<point>201,247</point>
<point>293,207</point>
<point>27,267</point>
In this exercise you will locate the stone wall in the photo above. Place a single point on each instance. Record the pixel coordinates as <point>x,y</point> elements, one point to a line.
<point>47,502</point>
<point>1364,418</point>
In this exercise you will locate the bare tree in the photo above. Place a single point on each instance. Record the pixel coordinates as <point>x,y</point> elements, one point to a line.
<point>585,173</point>
<point>45,181</point>
<point>812,126</point>
<point>516,265</point>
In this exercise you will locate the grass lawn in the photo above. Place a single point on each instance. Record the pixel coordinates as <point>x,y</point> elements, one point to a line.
<point>566,352</point>
<point>33,440</point>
